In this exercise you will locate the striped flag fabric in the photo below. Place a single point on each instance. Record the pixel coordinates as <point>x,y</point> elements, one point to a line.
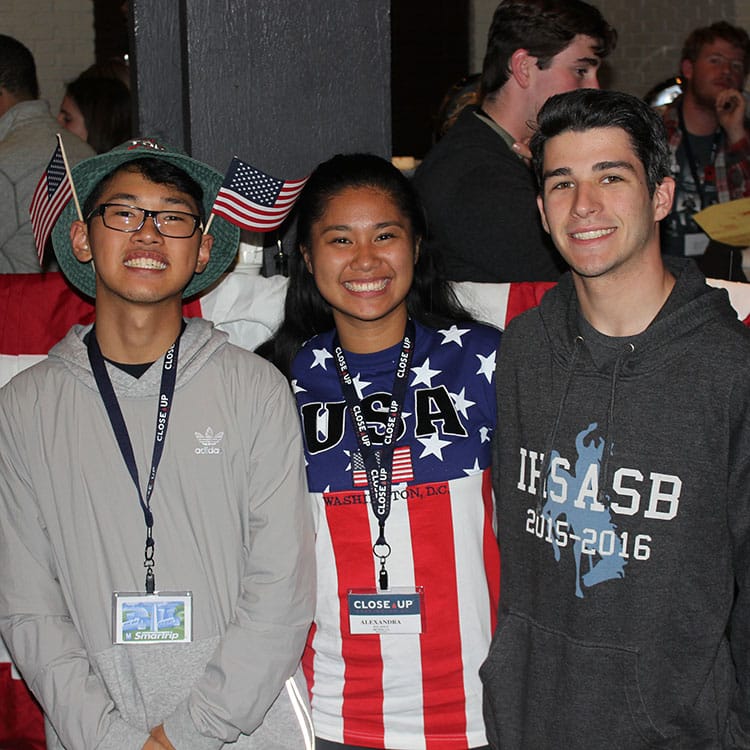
<point>21,723</point>
<point>249,307</point>
<point>253,200</point>
<point>50,197</point>
<point>402,467</point>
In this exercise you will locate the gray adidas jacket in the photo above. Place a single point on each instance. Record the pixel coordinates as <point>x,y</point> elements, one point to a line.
<point>231,524</point>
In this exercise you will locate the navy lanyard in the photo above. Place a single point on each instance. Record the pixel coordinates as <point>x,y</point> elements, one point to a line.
<point>112,406</point>
<point>378,461</point>
<point>709,168</point>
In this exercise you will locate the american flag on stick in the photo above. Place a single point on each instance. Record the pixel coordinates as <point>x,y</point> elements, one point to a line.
<point>52,194</point>
<point>402,470</point>
<point>253,200</point>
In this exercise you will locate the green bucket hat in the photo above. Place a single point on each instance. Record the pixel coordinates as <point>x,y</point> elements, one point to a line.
<point>87,175</point>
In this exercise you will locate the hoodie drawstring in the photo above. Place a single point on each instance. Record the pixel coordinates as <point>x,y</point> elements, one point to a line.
<point>578,342</point>
<point>629,349</point>
<point>553,434</point>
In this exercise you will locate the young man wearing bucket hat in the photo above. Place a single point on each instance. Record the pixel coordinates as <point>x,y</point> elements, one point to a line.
<point>155,542</point>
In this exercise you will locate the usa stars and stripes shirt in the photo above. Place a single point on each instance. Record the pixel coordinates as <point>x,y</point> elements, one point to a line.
<point>419,691</point>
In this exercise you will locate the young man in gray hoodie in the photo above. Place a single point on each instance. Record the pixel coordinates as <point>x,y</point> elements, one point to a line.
<point>156,545</point>
<point>621,460</point>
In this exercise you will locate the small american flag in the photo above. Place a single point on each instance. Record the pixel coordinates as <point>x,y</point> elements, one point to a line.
<point>254,200</point>
<point>402,468</point>
<point>49,199</point>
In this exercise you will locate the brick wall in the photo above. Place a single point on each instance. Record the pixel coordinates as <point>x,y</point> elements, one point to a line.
<point>651,35</point>
<point>742,13</point>
<point>60,35</point>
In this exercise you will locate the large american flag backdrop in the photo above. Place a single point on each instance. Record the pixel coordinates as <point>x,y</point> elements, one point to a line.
<point>38,309</point>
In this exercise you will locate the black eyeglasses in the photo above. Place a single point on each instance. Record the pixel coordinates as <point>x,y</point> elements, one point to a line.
<point>123,218</point>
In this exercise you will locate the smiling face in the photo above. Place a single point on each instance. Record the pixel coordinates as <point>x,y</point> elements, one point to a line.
<point>362,253</point>
<point>595,203</point>
<point>576,67</point>
<point>142,266</point>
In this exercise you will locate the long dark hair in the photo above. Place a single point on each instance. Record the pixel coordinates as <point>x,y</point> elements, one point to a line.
<point>105,106</point>
<point>430,300</point>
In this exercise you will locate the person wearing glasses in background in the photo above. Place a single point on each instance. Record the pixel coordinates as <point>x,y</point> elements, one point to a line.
<point>708,137</point>
<point>148,426</point>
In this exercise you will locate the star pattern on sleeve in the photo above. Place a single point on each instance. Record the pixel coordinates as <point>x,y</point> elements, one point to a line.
<point>296,387</point>
<point>486,366</point>
<point>462,403</point>
<point>433,446</point>
<point>484,434</point>
<point>321,355</point>
<point>424,374</point>
<point>453,335</point>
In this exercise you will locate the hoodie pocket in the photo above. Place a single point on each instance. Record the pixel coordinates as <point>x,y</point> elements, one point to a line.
<point>543,689</point>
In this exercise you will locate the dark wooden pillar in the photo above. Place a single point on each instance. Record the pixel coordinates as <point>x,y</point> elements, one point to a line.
<point>157,70</point>
<point>283,84</point>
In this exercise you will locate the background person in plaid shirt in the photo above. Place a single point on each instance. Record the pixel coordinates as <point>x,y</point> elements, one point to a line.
<point>708,137</point>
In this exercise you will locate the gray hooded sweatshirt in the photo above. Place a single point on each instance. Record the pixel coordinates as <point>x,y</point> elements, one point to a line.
<point>625,595</point>
<point>27,140</point>
<point>231,524</point>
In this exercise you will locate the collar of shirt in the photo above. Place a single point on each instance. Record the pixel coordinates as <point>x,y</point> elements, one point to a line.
<point>504,134</point>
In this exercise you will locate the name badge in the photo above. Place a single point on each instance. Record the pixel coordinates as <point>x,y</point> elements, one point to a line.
<point>392,612</point>
<point>696,243</point>
<point>164,617</point>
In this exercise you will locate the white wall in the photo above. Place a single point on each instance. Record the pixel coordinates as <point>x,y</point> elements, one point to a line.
<point>60,35</point>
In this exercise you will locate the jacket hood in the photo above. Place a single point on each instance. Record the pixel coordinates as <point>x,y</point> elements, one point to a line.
<point>199,341</point>
<point>690,305</point>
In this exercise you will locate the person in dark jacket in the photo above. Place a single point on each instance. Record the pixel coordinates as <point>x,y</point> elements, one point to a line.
<point>478,191</point>
<point>621,466</point>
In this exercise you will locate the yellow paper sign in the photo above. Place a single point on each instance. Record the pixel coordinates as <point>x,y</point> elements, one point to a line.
<point>727,222</point>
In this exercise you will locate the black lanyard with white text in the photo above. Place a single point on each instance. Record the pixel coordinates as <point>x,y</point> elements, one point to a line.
<point>112,406</point>
<point>378,462</point>
<point>709,172</point>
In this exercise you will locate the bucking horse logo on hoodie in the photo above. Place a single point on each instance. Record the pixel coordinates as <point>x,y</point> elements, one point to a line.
<point>586,524</point>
